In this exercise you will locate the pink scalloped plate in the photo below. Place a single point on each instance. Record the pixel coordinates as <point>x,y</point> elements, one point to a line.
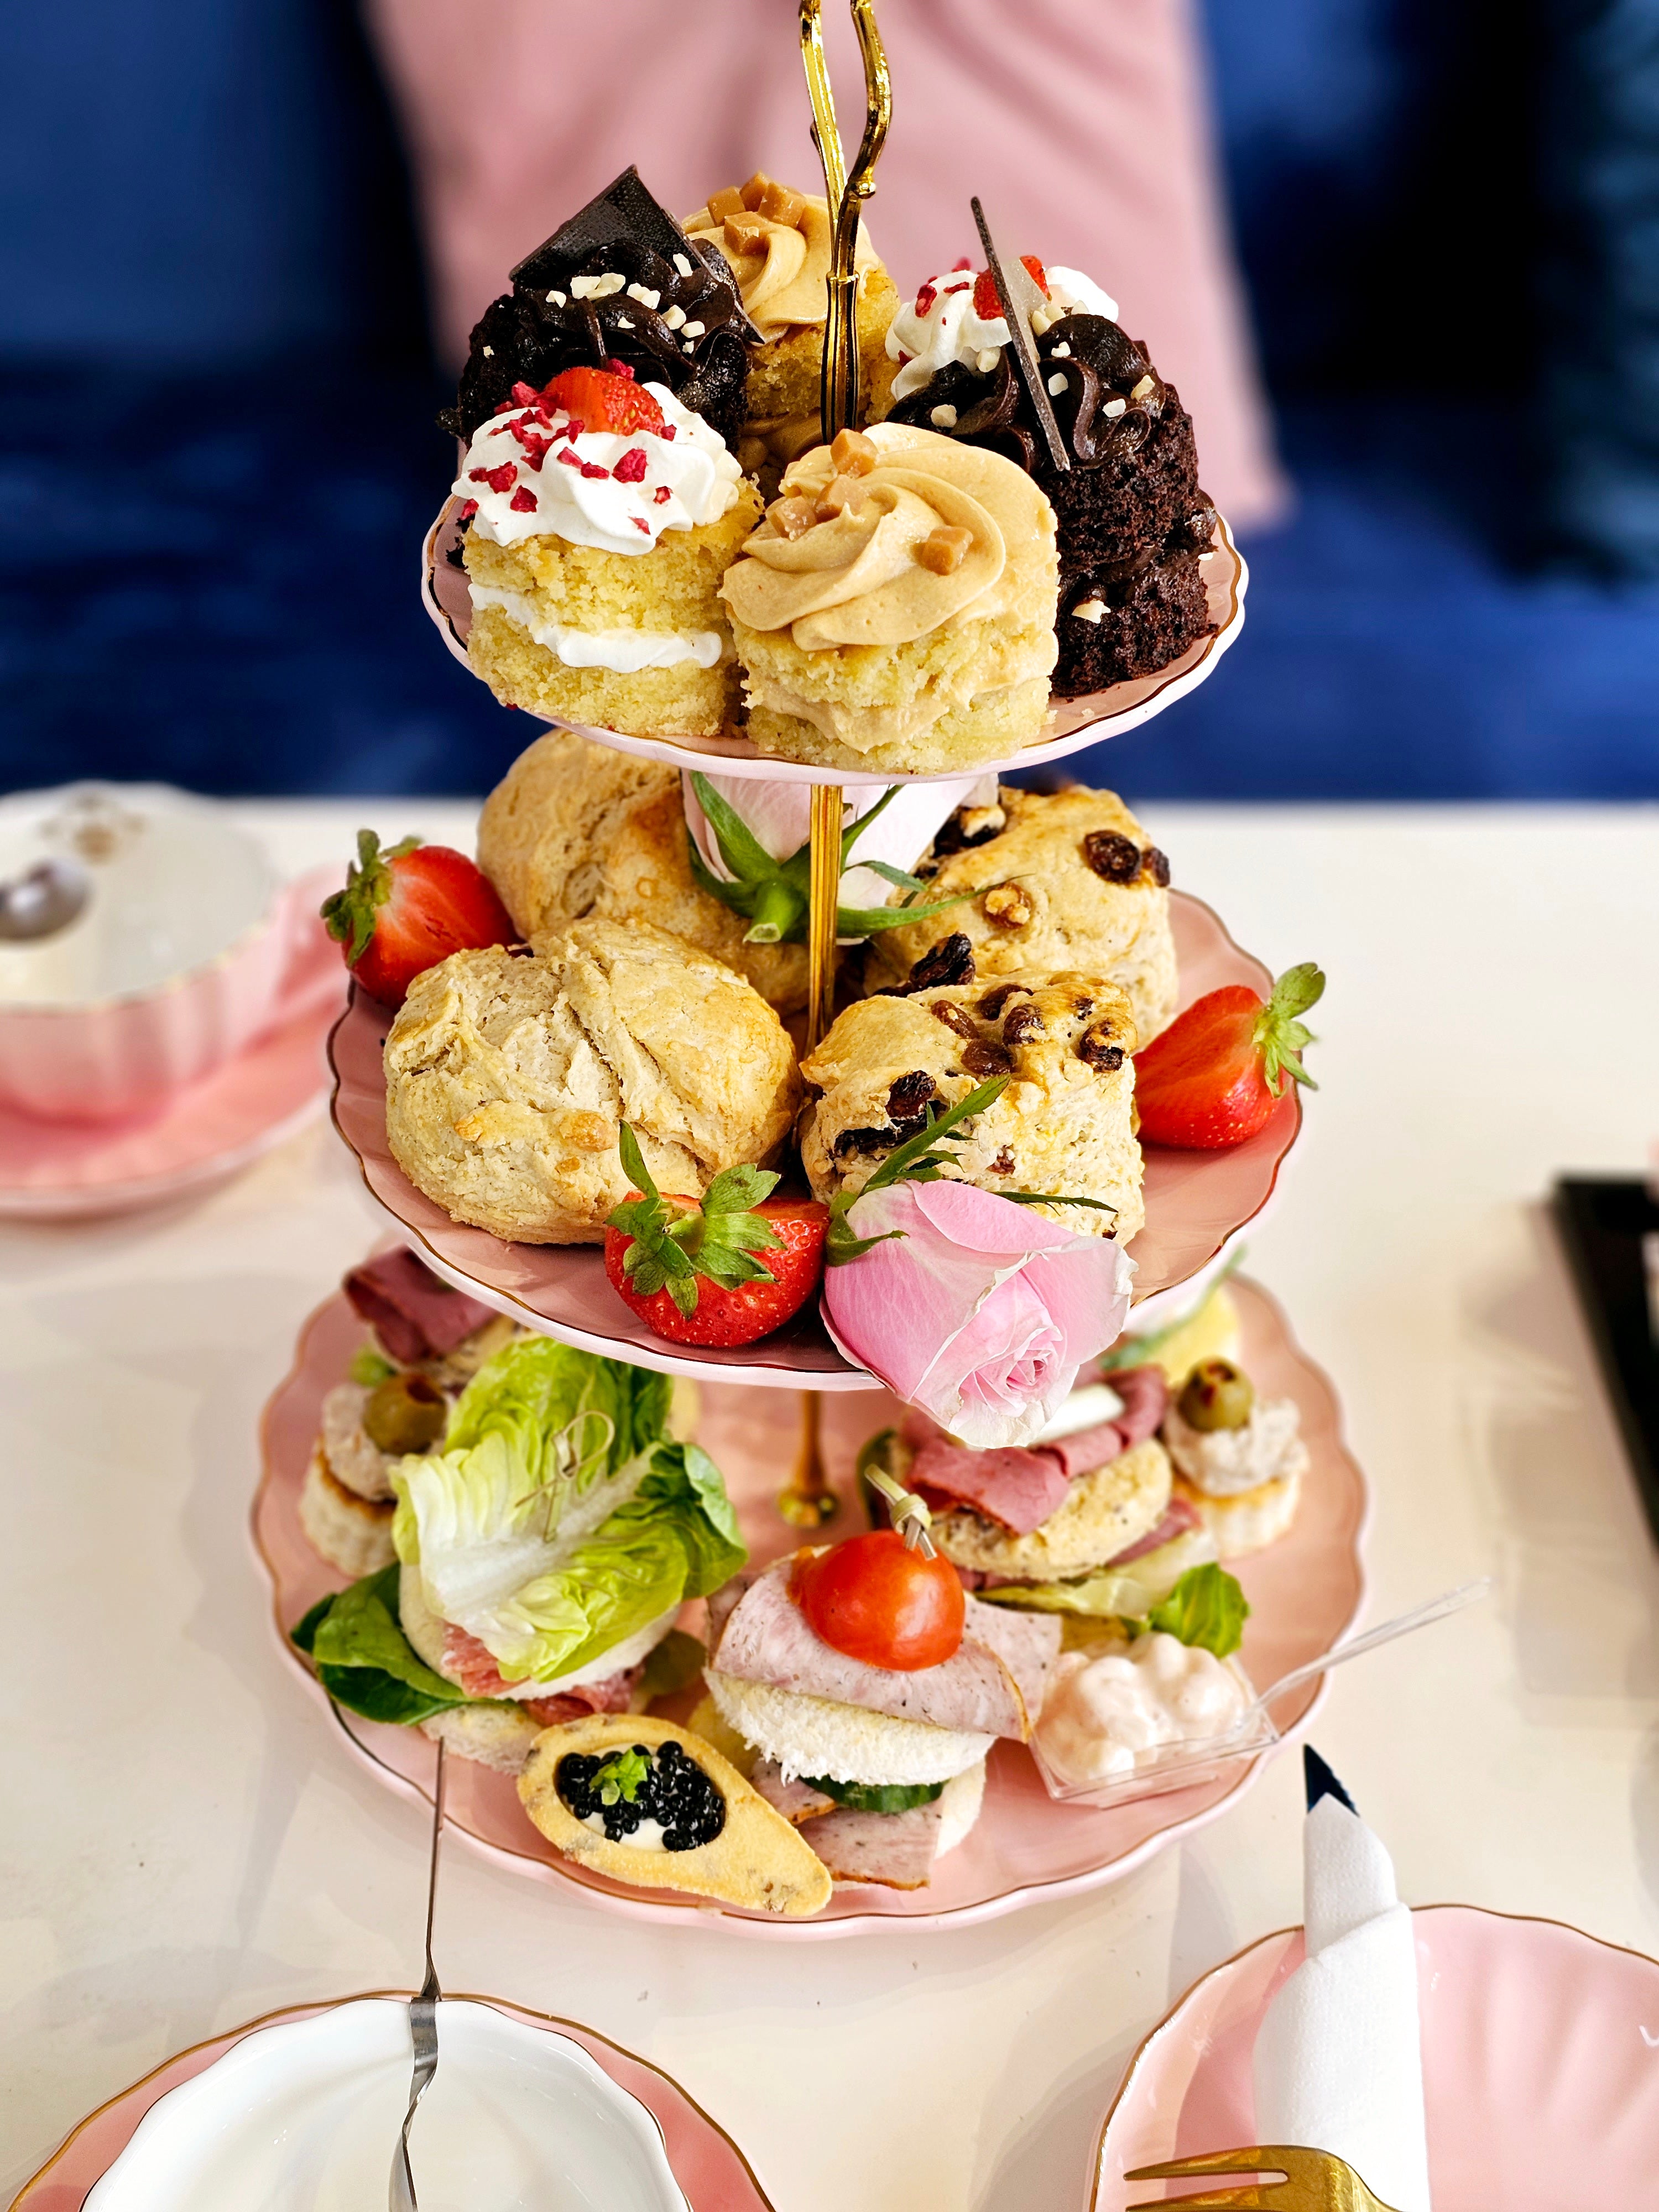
<point>708,2164</point>
<point>1539,2064</point>
<point>1071,724</point>
<point>75,1171</point>
<point>1305,1593</point>
<point>1195,1202</point>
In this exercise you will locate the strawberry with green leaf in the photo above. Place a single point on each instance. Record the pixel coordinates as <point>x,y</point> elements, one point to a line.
<point>695,1271</point>
<point>1213,1077</point>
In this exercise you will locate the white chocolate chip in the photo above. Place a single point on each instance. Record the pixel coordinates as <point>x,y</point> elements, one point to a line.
<point>598,287</point>
<point>987,359</point>
<point>557,300</point>
<point>623,324</point>
<point>1056,383</point>
<point>1115,407</point>
<point>673,317</point>
<point>694,329</point>
<point>1042,320</point>
<point>1147,384</point>
<point>646,297</point>
<point>943,419</point>
<point>1061,352</point>
<point>489,353</point>
<point>682,264</point>
<point>1089,611</point>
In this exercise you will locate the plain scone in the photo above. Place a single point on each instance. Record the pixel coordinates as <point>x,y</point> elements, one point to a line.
<point>1063,1123</point>
<point>574,830</point>
<point>1037,902</point>
<point>507,1077</point>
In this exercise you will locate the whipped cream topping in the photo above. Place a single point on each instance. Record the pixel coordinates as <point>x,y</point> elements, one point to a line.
<point>941,326</point>
<point>1104,1718</point>
<point>623,652</point>
<point>535,473</point>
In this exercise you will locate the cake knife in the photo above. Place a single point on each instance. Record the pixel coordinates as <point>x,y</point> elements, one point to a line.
<point>422,2016</point>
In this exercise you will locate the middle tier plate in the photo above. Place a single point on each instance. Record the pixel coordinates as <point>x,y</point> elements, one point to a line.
<point>1195,1201</point>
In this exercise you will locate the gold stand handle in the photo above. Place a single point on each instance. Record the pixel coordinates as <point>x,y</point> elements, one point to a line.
<point>839,392</point>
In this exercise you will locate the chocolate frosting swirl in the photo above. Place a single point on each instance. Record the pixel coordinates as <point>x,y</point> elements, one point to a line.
<point>1101,364</point>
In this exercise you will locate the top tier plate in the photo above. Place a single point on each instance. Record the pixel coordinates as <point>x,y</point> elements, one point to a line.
<point>1073,723</point>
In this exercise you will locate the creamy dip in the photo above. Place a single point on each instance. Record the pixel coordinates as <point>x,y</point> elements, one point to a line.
<point>647,1837</point>
<point>1103,1718</point>
<point>1226,1463</point>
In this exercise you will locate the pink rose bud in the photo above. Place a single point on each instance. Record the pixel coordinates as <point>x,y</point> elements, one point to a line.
<point>981,1312</point>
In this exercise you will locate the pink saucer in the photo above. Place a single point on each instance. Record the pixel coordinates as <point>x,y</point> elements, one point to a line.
<point>64,1171</point>
<point>1195,1202</point>
<point>1538,2061</point>
<point>1305,1593</point>
<point>708,2164</point>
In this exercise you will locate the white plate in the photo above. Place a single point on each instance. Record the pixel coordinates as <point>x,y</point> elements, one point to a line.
<point>1071,724</point>
<point>303,2117</point>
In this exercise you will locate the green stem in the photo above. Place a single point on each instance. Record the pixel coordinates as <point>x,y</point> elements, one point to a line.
<point>778,909</point>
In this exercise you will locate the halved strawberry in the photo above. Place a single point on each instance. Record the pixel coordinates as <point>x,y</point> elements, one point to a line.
<point>404,910</point>
<point>986,306</point>
<point>602,401</point>
<point>689,1270</point>
<point>1213,1078</point>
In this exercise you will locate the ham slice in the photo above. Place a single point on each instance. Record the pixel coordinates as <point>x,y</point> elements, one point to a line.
<point>1020,1488</point>
<point>796,1801</point>
<point>470,1663</point>
<point>414,1313</point>
<point>894,1849</point>
<point>1181,1516</point>
<point>766,1638</point>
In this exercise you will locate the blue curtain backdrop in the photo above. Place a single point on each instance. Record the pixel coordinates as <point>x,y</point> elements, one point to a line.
<point>217,454</point>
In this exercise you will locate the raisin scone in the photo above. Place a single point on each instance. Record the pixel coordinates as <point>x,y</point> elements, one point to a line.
<point>574,829</point>
<point>1058,880</point>
<point>1063,1124</point>
<point>508,1076</point>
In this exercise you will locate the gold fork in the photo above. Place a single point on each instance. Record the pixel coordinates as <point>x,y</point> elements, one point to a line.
<point>1315,2181</point>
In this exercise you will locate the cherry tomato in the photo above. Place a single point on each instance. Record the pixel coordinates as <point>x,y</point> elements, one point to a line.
<point>876,1601</point>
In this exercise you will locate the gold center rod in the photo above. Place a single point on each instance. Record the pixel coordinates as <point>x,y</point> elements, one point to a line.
<point>824,896</point>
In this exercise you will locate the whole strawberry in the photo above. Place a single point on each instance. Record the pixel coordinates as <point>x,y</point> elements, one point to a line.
<point>692,1272</point>
<point>1213,1078</point>
<point>404,910</point>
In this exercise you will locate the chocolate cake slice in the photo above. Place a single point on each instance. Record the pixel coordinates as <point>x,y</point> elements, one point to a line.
<point>620,280</point>
<point>1133,520</point>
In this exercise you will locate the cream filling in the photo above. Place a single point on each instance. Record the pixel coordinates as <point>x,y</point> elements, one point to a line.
<point>623,652</point>
<point>647,1837</point>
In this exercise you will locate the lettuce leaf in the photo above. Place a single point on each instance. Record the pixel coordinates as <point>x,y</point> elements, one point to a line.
<point>675,1538</point>
<point>363,1659</point>
<point>1115,1593</point>
<point>537,1391</point>
<point>1205,1607</point>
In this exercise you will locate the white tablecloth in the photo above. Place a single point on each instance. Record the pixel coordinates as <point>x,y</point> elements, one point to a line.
<point>186,1846</point>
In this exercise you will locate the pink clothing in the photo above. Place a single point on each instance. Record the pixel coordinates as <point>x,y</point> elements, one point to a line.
<point>1082,127</point>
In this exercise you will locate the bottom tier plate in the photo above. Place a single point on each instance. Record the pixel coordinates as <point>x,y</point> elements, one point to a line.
<point>710,2169</point>
<point>1305,1593</point>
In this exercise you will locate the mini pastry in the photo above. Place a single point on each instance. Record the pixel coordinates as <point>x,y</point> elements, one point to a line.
<point>1133,520</point>
<point>1239,1459</point>
<point>507,1077</point>
<point>1062,1124</point>
<point>601,515</point>
<point>653,1805</point>
<point>619,282</point>
<point>896,609</point>
<point>779,243</point>
<point>1064,879</point>
<point>574,830</point>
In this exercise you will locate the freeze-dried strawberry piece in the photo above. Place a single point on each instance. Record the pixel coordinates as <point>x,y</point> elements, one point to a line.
<point>602,401</point>
<point>499,480</point>
<point>986,306</point>
<point>536,447</point>
<point>469,511</point>
<point>525,395</point>
<point>594,469</point>
<point>640,522</point>
<point>926,297</point>
<point>523,501</point>
<point>619,369</point>
<point>631,467</point>
<point>662,493</point>
<point>569,456</point>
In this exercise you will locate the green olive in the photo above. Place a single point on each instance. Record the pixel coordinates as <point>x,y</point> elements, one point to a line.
<point>1216,1395</point>
<point>406,1413</point>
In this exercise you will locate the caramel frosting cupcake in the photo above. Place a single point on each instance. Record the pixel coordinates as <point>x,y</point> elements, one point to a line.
<point>779,243</point>
<point>896,609</point>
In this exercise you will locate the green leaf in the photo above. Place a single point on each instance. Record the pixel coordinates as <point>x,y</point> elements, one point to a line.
<point>1055,1198</point>
<point>349,914</point>
<point>371,1367</point>
<point>1126,1594</point>
<point>365,1661</point>
<point>876,1796</point>
<point>1278,1035</point>
<point>619,1780</point>
<point>633,1161</point>
<point>1206,1607</point>
<point>903,1159</point>
<point>741,850</point>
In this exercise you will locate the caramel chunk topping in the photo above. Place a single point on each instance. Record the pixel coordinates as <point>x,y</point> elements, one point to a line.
<point>852,454</point>
<point>841,495</point>
<point>791,518</point>
<point>943,550</point>
<point>728,201</point>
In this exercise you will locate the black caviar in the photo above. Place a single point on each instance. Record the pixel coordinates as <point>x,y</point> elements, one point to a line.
<point>672,1789</point>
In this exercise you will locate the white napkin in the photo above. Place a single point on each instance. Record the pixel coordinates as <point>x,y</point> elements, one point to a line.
<point>1338,2062</point>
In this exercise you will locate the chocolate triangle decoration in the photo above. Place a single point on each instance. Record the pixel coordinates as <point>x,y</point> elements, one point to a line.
<point>625,211</point>
<point>1320,1782</point>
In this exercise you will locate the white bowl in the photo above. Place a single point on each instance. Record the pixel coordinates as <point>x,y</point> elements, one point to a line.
<point>303,2117</point>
